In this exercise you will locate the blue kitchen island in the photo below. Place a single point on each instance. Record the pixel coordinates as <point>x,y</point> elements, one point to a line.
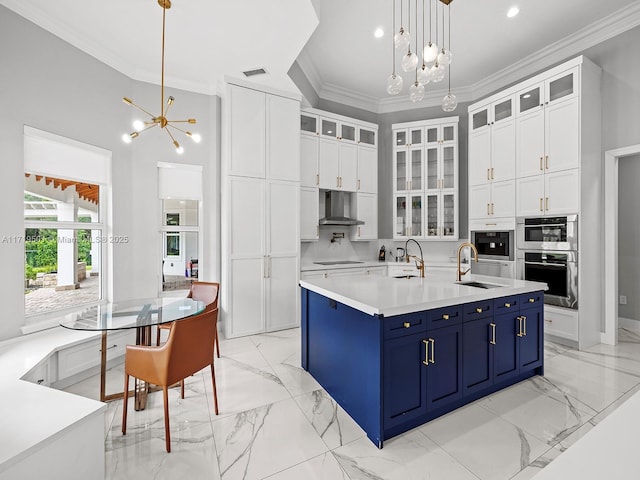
<point>398,352</point>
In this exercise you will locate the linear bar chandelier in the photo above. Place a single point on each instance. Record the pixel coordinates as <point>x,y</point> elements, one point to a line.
<point>435,59</point>
<point>160,120</point>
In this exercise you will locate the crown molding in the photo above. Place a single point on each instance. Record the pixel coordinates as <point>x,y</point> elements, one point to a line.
<point>597,32</point>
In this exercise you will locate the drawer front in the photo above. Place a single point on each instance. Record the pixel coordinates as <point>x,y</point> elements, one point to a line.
<point>402,325</point>
<point>475,310</point>
<point>530,300</point>
<point>506,304</point>
<point>443,317</point>
<point>562,324</point>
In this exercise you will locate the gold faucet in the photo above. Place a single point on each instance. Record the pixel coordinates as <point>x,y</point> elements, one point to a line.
<point>419,264</point>
<point>475,255</point>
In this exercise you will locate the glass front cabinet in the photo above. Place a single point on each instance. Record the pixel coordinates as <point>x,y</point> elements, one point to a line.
<point>425,184</point>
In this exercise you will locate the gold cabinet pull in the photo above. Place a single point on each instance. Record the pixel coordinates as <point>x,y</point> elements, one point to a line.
<point>524,323</point>
<point>445,316</point>
<point>507,305</point>
<point>541,205</point>
<point>493,333</point>
<point>492,173</point>
<point>492,209</point>
<point>406,324</point>
<point>519,334</point>
<point>546,162</point>
<point>532,300</point>
<point>358,184</point>
<point>317,179</point>
<point>488,174</point>
<point>488,209</point>
<point>478,310</point>
<point>433,350</point>
<point>541,168</point>
<point>426,352</point>
<point>358,231</point>
<point>337,181</point>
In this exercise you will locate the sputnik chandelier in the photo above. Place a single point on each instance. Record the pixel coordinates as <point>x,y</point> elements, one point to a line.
<point>435,59</point>
<point>161,120</point>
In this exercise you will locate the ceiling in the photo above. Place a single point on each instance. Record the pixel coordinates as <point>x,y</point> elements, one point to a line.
<point>207,39</point>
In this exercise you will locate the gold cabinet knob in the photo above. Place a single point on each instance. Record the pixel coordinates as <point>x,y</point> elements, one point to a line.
<point>507,305</point>
<point>532,300</point>
<point>478,310</point>
<point>406,324</point>
<point>445,316</point>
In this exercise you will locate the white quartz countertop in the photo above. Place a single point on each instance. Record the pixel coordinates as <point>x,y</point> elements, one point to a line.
<point>34,414</point>
<point>388,296</point>
<point>309,267</point>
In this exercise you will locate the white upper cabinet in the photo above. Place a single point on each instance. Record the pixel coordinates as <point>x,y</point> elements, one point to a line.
<point>309,161</point>
<point>425,169</point>
<point>367,170</point>
<point>247,133</point>
<point>283,152</point>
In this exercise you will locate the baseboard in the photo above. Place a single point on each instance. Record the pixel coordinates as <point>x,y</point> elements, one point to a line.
<point>629,324</point>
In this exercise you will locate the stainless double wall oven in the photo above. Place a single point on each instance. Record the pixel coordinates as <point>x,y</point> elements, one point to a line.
<point>548,252</point>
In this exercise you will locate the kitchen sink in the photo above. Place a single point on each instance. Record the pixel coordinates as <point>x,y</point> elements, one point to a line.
<point>338,262</point>
<point>479,284</point>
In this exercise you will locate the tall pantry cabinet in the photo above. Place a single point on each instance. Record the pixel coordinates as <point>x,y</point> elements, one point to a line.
<point>260,189</point>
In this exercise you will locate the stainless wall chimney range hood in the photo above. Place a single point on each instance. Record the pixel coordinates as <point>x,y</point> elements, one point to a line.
<point>334,210</point>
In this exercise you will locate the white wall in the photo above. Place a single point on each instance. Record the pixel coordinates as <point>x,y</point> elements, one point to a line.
<point>50,85</point>
<point>629,236</point>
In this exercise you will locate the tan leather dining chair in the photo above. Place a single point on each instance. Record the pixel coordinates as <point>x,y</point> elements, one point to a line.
<point>207,292</point>
<point>188,350</point>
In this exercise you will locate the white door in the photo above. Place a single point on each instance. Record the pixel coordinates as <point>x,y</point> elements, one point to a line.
<point>367,211</point>
<point>308,161</point>
<point>562,135</point>
<point>480,201</point>
<point>503,196</point>
<point>367,170</point>
<point>328,156</point>
<point>282,264</point>
<point>247,132</point>
<point>530,196</point>
<point>348,166</point>
<point>283,141</point>
<point>309,213</point>
<point>480,155</point>
<point>530,143</point>
<point>503,150</point>
<point>561,189</point>
<point>245,312</point>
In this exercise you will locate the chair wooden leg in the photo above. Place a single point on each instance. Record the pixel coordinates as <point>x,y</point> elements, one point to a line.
<point>158,335</point>
<point>124,404</point>
<point>217,345</point>
<point>182,388</point>
<point>215,392</point>
<point>165,395</point>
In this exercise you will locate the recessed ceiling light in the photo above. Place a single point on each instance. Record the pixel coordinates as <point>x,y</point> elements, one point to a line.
<point>513,11</point>
<point>379,33</point>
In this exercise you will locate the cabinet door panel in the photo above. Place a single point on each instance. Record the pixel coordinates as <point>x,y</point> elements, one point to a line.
<point>562,136</point>
<point>562,194</point>
<point>479,201</point>
<point>367,170</point>
<point>283,147</point>
<point>405,379</point>
<point>247,217</point>
<point>530,196</point>
<point>480,152</point>
<point>309,213</point>
<point>348,167</point>
<point>504,196</point>
<point>531,352</point>
<point>477,366</point>
<point>282,293</point>
<point>247,132</point>
<point>503,150</point>
<point>328,163</point>
<point>530,144</point>
<point>308,161</point>
<point>444,375</point>
<point>366,209</point>
<point>283,214</point>
<point>245,314</point>
<point>505,351</point>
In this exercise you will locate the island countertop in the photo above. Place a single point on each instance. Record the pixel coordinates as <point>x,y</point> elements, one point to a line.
<point>389,296</point>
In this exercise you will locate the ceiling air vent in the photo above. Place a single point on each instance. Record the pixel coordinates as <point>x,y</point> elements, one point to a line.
<point>254,72</point>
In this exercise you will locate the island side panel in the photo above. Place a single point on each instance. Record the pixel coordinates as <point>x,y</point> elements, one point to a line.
<point>343,353</point>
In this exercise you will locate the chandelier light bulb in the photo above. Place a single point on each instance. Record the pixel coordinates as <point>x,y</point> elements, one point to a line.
<point>195,137</point>
<point>138,125</point>
<point>401,39</point>
<point>126,138</point>
<point>449,102</point>
<point>437,73</point>
<point>409,61</point>
<point>394,84</point>
<point>430,52</point>
<point>424,75</point>
<point>444,57</point>
<point>416,92</point>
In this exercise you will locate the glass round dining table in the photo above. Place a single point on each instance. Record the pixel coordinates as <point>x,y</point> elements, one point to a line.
<point>142,314</point>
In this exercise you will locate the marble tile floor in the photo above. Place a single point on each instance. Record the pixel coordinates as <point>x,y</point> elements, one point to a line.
<point>277,423</point>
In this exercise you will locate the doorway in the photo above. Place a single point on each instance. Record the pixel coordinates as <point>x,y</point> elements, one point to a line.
<point>610,225</point>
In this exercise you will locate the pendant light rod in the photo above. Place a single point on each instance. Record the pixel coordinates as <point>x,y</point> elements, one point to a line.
<point>393,27</point>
